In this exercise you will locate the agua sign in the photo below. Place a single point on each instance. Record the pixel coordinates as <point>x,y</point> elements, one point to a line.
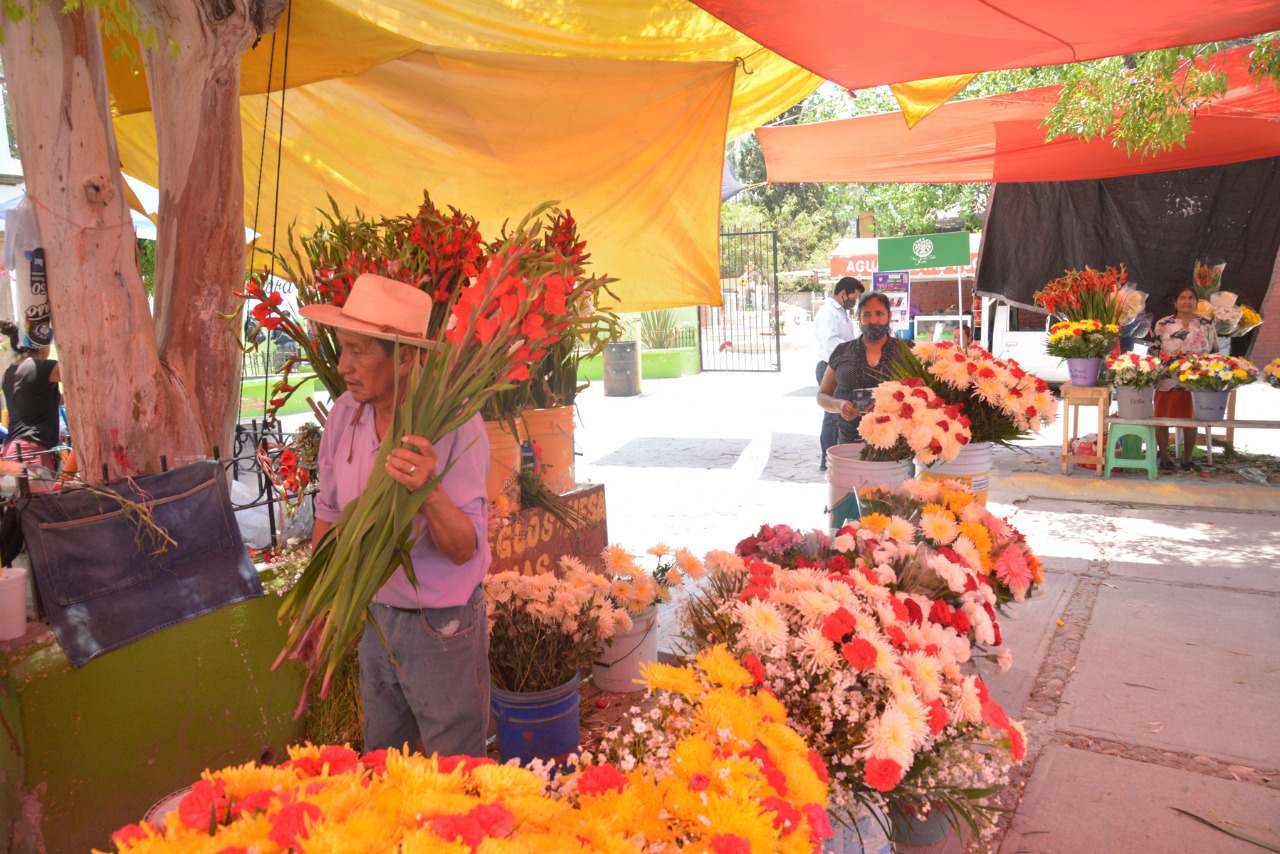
<point>862,256</point>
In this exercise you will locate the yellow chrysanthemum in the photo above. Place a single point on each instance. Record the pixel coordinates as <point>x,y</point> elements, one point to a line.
<point>874,522</point>
<point>498,781</point>
<point>900,529</point>
<point>981,539</point>
<point>676,680</point>
<point>957,499</point>
<point>722,668</point>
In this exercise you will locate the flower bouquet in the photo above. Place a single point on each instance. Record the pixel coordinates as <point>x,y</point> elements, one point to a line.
<point>1230,319</point>
<point>498,323</point>
<point>710,765</point>
<point>908,420</point>
<point>717,750</point>
<point>544,628</point>
<point>1206,276</point>
<point>1271,373</point>
<point>1201,372</point>
<point>634,588</point>
<point>1082,339</point>
<point>872,683</point>
<point>1086,294</point>
<point>1134,371</point>
<point>1002,402</point>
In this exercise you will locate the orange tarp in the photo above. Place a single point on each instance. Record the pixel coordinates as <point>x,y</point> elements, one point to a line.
<point>999,138</point>
<point>859,44</point>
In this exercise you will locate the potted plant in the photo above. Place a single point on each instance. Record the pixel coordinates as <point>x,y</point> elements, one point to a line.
<point>1211,379</point>
<point>638,591</point>
<point>1134,379</point>
<point>1002,403</point>
<point>1084,344</point>
<point>543,629</point>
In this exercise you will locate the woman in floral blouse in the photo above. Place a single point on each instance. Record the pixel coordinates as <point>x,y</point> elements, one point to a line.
<point>1181,332</point>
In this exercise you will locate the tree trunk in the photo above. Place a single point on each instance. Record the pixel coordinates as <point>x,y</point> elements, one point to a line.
<point>137,390</point>
<point>125,408</point>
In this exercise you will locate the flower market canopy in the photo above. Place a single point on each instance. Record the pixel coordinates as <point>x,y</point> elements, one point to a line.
<point>999,138</point>
<point>860,44</point>
<point>618,110</point>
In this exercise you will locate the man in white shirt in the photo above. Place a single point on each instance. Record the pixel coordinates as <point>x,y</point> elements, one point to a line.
<point>832,326</point>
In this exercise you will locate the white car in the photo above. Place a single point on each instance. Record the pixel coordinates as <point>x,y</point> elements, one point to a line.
<point>1021,334</point>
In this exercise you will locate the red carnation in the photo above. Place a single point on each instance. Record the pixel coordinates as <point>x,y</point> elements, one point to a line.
<point>900,611</point>
<point>290,823</point>
<point>598,779</point>
<point>960,622</point>
<point>205,805</point>
<point>730,843</point>
<point>860,653</point>
<point>937,716</point>
<point>940,613</point>
<point>819,767</point>
<point>915,614</point>
<point>756,669</point>
<point>785,817</point>
<point>698,782</point>
<point>882,774</point>
<point>819,825</point>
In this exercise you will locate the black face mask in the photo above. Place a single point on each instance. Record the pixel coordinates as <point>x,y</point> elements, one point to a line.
<point>874,331</point>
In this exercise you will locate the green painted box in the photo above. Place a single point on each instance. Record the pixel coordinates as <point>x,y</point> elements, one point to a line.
<point>89,750</point>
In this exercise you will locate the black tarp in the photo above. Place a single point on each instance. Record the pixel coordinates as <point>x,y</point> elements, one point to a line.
<point>1156,225</point>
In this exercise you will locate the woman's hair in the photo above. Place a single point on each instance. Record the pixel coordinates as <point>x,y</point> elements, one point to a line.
<point>1179,292</point>
<point>875,295</point>
<point>8,327</point>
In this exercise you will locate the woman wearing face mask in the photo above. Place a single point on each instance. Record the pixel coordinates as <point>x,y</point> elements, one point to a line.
<point>862,363</point>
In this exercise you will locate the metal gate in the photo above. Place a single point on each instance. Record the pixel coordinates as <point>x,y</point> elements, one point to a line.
<point>742,334</point>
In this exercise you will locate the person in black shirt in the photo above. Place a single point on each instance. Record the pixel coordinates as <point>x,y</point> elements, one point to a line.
<point>31,395</point>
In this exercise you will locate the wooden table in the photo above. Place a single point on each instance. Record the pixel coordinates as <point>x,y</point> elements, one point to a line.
<point>1072,399</point>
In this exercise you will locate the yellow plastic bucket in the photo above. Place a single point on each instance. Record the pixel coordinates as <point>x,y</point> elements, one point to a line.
<point>972,468</point>
<point>503,483</point>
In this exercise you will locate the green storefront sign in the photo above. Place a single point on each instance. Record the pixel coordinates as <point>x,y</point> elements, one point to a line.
<point>918,251</point>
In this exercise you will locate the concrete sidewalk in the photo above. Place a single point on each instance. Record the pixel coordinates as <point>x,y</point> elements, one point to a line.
<point>1146,667</point>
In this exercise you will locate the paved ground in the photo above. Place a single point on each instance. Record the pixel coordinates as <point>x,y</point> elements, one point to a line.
<point>1147,668</point>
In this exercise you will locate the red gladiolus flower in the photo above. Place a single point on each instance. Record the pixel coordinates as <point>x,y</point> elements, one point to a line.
<point>598,779</point>
<point>860,653</point>
<point>882,774</point>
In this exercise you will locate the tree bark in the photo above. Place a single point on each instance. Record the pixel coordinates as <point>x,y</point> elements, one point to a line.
<point>124,408</point>
<point>136,389</point>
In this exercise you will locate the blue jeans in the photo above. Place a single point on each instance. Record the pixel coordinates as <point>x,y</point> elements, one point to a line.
<point>430,679</point>
<point>830,434</point>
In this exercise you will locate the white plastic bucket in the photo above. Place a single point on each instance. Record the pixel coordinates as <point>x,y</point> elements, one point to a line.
<point>618,666</point>
<point>846,474</point>
<point>13,602</point>
<point>972,468</point>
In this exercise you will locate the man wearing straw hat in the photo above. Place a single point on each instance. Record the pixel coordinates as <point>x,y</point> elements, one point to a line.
<point>428,674</point>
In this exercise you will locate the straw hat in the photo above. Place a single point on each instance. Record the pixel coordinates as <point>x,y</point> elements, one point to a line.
<point>380,308</point>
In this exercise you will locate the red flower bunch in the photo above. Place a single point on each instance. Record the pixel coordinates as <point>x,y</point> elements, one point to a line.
<point>1086,294</point>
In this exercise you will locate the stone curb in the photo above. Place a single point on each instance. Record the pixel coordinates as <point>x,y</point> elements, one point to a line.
<point>1166,492</point>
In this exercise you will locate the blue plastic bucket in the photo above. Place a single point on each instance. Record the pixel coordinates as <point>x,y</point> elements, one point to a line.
<point>537,724</point>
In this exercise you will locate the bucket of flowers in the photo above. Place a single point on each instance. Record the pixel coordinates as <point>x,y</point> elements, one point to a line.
<point>1002,403</point>
<point>543,629</point>
<point>1133,377</point>
<point>1086,294</point>
<point>1211,379</point>
<point>1084,344</point>
<point>637,591</point>
<point>871,682</point>
<point>711,746</point>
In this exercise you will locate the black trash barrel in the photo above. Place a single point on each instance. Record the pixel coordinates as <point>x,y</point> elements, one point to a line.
<point>622,369</point>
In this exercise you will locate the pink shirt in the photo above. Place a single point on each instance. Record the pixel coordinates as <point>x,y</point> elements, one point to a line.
<point>346,456</point>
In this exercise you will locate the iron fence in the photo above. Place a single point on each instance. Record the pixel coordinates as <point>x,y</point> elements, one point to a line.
<point>743,333</point>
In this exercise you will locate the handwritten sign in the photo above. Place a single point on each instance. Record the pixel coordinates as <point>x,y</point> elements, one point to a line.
<point>534,542</point>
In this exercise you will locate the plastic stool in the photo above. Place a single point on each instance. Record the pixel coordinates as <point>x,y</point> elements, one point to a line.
<point>1129,457</point>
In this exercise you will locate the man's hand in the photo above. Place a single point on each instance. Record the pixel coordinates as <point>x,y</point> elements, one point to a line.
<point>413,463</point>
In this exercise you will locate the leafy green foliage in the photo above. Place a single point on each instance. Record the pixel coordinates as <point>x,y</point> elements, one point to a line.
<point>1264,62</point>
<point>1143,102</point>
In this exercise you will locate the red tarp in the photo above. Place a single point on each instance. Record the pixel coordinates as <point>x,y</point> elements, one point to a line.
<point>999,138</point>
<point>858,44</point>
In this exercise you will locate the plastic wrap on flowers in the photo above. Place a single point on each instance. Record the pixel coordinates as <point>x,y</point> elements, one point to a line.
<point>870,674</point>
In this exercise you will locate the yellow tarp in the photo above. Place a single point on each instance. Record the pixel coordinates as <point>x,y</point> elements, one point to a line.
<point>635,149</point>
<point>921,97</point>
<point>617,108</point>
